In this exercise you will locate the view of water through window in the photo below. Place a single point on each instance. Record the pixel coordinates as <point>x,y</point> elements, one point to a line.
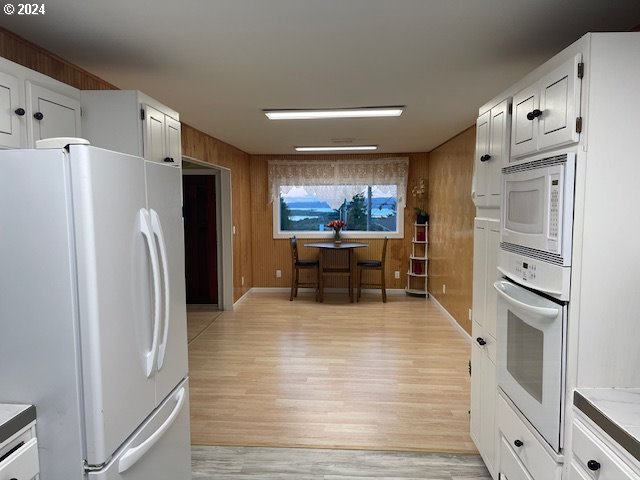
<point>369,210</point>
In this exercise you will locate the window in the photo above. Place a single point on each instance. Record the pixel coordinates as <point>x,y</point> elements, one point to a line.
<point>309,194</point>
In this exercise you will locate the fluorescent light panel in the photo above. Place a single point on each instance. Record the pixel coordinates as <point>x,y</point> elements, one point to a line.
<point>337,149</point>
<point>364,112</point>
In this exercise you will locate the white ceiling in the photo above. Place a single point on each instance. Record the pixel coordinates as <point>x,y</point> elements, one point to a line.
<point>220,62</point>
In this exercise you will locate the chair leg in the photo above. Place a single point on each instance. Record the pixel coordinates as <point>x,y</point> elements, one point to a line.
<point>384,288</point>
<point>293,282</point>
<point>295,294</point>
<point>317,282</point>
<point>359,283</point>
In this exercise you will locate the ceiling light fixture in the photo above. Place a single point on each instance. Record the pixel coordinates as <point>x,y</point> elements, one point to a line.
<point>337,149</point>
<point>364,112</point>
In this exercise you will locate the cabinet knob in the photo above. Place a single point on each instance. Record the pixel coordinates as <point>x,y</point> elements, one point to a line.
<point>518,443</point>
<point>481,341</point>
<point>38,116</point>
<point>19,111</point>
<point>168,159</point>
<point>593,465</point>
<point>485,158</point>
<point>534,114</point>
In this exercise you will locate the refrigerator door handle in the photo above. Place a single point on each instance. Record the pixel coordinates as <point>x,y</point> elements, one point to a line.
<point>156,225</point>
<point>132,455</point>
<point>147,232</point>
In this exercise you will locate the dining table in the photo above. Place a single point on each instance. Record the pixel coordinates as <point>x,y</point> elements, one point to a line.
<point>325,269</point>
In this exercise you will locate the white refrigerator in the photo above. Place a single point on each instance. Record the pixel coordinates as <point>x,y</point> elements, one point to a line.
<point>92,311</point>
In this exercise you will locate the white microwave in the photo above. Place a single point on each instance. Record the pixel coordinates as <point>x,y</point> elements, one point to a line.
<point>537,208</point>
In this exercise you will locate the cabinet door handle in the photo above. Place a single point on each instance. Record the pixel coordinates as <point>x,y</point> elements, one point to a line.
<point>481,341</point>
<point>38,116</point>
<point>485,158</point>
<point>169,159</point>
<point>534,114</point>
<point>593,465</point>
<point>518,443</point>
<point>19,111</point>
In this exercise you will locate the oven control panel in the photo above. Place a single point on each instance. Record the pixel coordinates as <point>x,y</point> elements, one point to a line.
<point>544,276</point>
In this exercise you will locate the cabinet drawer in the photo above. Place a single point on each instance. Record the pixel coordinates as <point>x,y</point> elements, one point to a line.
<point>21,464</point>
<point>510,467</point>
<point>531,453</point>
<point>586,447</point>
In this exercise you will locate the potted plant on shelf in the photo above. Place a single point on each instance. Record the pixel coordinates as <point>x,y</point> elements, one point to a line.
<point>337,225</point>
<point>418,192</point>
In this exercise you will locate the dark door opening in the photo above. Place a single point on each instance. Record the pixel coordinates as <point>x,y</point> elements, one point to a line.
<point>200,239</point>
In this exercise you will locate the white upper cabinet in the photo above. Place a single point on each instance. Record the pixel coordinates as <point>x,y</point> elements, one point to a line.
<point>51,114</point>
<point>131,122</point>
<point>12,112</point>
<point>34,106</point>
<point>492,151</point>
<point>547,113</point>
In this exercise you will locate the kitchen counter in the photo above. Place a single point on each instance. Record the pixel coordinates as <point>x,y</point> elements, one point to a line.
<point>614,410</point>
<point>13,418</point>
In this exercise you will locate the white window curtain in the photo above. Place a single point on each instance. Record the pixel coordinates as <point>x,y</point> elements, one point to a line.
<point>338,180</point>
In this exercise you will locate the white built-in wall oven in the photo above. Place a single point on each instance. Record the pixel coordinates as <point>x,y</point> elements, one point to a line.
<point>535,261</point>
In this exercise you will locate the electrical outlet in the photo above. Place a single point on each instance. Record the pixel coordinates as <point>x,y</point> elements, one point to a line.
<point>242,280</point>
<point>470,314</point>
<point>444,289</point>
<point>234,229</point>
<point>278,273</point>
<point>397,274</point>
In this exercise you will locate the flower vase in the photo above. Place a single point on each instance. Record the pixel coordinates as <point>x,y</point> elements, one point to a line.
<point>336,236</point>
<point>421,219</point>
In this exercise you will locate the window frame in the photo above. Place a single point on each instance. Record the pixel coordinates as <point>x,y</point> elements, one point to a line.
<point>345,234</point>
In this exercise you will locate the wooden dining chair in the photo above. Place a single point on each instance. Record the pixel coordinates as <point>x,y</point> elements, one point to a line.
<point>297,265</point>
<point>376,265</point>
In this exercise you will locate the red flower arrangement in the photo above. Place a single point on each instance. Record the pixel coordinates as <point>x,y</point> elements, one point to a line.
<point>336,224</point>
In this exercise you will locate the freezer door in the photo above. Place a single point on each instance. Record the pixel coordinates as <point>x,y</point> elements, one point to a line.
<point>164,197</point>
<point>115,285</point>
<point>160,449</point>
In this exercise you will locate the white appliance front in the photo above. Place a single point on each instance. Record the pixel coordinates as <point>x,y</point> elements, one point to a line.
<point>164,200</point>
<point>537,208</point>
<point>159,449</point>
<point>530,356</point>
<point>114,261</point>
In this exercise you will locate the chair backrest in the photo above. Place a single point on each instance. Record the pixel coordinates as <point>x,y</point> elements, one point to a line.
<point>294,249</point>
<point>384,250</point>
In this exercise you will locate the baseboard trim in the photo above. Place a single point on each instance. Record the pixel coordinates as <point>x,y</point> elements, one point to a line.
<point>452,320</point>
<point>390,291</point>
<point>241,299</point>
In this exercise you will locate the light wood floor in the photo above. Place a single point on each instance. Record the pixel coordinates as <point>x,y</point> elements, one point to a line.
<point>255,463</point>
<point>367,376</point>
<point>199,318</point>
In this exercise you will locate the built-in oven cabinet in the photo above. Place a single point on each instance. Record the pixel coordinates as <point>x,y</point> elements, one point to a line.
<point>493,129</point>
<point>19,455</point>
<point>595,456</point>
<point>34,106</point>
<point>523,454</point>
<point>546,114</point>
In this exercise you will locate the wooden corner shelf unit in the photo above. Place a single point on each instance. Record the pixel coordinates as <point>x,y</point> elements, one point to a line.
<point>417,274</point>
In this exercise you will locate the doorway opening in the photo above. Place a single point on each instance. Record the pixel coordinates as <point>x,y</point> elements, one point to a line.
<point>208,235</point>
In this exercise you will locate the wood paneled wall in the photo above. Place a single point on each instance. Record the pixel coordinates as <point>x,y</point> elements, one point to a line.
<point>195,143</point>
<point>451,225</point>
<point>271,254</point>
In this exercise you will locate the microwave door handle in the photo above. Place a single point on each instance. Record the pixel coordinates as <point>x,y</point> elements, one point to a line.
<point>544,312</point>
<point>537,287</point>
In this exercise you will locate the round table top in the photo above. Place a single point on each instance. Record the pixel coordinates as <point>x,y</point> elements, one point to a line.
<point>333,245</point>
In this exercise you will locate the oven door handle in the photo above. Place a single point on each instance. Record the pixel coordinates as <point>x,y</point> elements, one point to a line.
<point>548,313</point>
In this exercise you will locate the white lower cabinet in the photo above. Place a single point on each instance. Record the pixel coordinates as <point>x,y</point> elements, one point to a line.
<point>593,456</point>
<point>518,441</point>
<point>19,456</point>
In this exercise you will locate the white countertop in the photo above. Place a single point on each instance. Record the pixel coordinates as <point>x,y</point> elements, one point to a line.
<point>14,417</point>
<point>616,411</point>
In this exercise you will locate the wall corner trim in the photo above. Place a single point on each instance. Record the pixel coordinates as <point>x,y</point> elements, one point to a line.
<point>452,320</point>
